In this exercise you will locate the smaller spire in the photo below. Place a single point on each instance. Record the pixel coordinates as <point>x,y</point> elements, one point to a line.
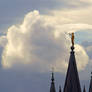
<point>60,89</point>
<point>84,90</point>
<point>52,88</point>
<point>90,86</point>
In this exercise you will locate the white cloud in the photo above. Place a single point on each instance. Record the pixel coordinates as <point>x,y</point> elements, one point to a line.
<point>3,41</point>
<point>80,54</point>
<point>86,1</point>
<point>40,44</point>
<point>78,2</point>
<point>73,16</point>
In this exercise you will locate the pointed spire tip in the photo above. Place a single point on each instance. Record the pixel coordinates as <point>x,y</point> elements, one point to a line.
<point>52,76</point>
<point>59,88</point>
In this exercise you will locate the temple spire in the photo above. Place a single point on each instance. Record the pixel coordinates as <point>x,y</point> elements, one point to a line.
<point>72,83</point>
<point>52,88</point>
<point>84,90</point>
<point>90,87</point>
<point>60,89</point>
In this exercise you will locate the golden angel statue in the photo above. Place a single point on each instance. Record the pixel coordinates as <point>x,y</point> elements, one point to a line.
<point>72,39</point>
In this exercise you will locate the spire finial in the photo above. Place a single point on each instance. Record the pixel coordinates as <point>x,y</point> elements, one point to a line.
<point>52,74</point>
<point>72,41</point>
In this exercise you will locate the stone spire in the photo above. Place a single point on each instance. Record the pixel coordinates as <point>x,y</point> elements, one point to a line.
<point>52,88</point>
<point>84,90</point>
<point>90,87</point>
<point>72,83</point>
<point>60,89</point>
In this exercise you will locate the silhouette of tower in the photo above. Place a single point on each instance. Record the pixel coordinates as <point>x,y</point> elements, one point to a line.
<point>72,83</point>
<point>84,90</point>
<point>90,87</point>
<point>60,89</point>
<point>52,88</point>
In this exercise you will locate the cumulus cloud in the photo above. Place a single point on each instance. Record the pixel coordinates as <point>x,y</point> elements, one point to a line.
<point>88,48</point>
<point>79,2</point>
<point>39,44</point>
<point>73,16</point>
<point>3,41</point>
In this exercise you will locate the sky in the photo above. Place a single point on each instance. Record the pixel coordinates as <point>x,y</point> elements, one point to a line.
<point>34,37</point>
